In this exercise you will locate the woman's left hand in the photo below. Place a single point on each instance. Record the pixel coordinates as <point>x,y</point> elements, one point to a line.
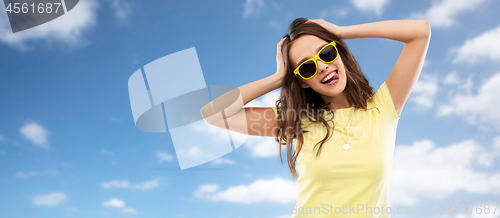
<point>337,30</point>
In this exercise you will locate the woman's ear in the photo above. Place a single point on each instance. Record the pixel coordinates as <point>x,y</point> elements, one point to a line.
<point>303,84</point>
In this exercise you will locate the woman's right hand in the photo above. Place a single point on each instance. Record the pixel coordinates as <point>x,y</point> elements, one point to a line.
<point>280,68</point>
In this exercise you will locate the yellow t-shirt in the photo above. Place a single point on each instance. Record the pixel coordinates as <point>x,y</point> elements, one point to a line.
<point>353,182</point>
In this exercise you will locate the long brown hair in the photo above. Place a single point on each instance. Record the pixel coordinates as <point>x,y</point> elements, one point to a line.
<point>293,98</point>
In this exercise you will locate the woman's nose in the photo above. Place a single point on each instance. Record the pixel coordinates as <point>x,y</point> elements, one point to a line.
<point>321,66</point>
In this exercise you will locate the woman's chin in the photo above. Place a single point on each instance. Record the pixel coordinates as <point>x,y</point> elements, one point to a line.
<point>331,91</point>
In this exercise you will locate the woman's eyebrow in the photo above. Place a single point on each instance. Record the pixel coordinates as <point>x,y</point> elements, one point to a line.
<point>317,50</point>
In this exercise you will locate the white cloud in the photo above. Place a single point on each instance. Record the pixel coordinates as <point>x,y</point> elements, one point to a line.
<point>36,134</point>
<point>427,63</point>
<point>163,156</point>
<point>423,170</point>
<point>275,190</point>
<point>115,184</point>
<point>425,90</point>
<point>496,146</point>
<point>221,161</point>
<point>67,29</point>
<point>276,24</point>
<point>195,152</point>
<point>147,185</point>
<point>129,210</point>
<point>260,146</point>
<point>216,134</point>
<point>476,108</point>
<point>374,6</point>
<point>442,13</point>
<point>28,174</point>
<point>116,119</point>
<point>126,185</point>
<point>202,190</point>
<point>122,9</point>
<point>104,151</point>
<point>115,202</point>
<point>483,47</point>
<point>52,199</point>
<point>2,139</point>
<point>252,7</point>
<point>458,82</point>
<point>267,100</point>
<point>451,78</point>
<point>333,12</point>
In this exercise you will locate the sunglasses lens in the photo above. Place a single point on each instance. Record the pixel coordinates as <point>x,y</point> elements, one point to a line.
<point>328,54</point>
<point>308,69</point>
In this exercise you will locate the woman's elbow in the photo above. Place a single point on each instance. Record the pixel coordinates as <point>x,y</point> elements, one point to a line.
<point>425,28</point>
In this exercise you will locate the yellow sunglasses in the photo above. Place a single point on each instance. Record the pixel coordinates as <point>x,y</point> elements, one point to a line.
<point>309,67</point>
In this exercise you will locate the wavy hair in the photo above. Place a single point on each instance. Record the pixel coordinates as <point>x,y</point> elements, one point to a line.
<point>293,98</point>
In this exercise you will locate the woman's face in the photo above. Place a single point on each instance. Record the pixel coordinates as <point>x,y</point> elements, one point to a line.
<point>308,46</point>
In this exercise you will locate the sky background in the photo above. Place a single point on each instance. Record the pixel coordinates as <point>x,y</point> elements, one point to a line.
<point>69,146</point>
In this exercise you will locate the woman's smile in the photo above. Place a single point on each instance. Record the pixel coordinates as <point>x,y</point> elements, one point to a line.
<point>331,78</point>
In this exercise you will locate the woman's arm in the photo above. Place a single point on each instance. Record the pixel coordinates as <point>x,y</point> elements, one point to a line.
<point>251,120</point>
<point>415,34</point>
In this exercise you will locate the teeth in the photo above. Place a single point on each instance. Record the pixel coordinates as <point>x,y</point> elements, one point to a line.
<point>329,76</point>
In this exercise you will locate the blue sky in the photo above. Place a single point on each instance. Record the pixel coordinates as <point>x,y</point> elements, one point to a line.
<point>69,147</point>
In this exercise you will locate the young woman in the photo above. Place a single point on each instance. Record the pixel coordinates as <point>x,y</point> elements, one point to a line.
<point>337,130</point>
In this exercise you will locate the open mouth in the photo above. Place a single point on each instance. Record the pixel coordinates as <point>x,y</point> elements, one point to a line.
<point>331,78</point>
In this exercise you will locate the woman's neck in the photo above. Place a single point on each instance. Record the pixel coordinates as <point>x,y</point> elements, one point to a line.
<point>337,102</point>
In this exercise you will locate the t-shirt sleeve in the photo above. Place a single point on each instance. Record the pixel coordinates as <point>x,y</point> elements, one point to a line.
<point>382,99</point>
<point>275,111</point>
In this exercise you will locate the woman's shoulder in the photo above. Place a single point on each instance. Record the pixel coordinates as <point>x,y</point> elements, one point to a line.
<point>382,100</point>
